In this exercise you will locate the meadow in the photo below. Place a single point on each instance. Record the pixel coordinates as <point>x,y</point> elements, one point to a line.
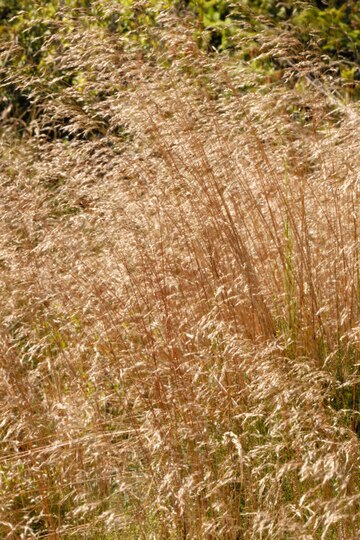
<point>179,279</point>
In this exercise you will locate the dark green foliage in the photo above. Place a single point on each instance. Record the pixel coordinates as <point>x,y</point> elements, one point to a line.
<point>33,33</point>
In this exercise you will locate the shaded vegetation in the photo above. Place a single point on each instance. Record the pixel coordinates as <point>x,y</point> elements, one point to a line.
<point>317,28</point>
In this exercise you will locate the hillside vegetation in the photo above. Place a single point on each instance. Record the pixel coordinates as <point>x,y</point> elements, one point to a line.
<point>179,270</point>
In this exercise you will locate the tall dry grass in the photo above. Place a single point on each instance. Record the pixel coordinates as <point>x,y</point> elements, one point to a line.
<point>180,301</point>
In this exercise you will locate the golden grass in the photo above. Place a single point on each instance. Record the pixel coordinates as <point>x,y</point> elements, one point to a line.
<point>180,297</point>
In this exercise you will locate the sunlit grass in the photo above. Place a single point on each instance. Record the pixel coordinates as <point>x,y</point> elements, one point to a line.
<point>180,306</point>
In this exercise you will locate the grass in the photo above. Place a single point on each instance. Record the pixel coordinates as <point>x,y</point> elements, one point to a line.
<point>180,307</point>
